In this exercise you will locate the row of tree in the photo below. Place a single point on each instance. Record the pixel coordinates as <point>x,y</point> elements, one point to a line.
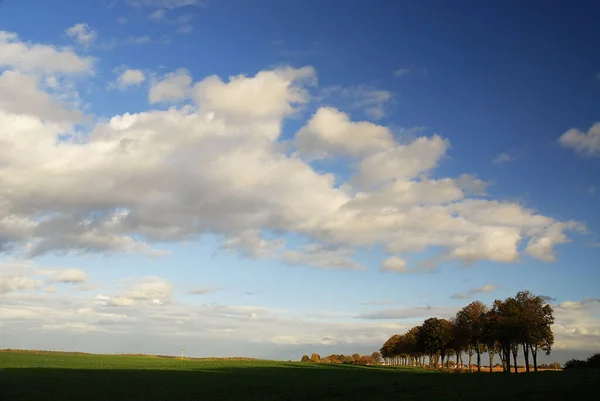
<point>593,362</point>
<point>354,359</point>
<point>518,323</point>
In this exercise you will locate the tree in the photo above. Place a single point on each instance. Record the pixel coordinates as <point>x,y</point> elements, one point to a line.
<point>469,328</point>
<point>376,357</point>
<point>365,360</point>
<point>505,322</point>
<point>435,337</point>
<point>315,357</point>
<point>305,358</point>
<point>355,358</point>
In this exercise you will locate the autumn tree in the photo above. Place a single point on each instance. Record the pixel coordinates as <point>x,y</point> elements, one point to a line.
<point>365,360</point>
<point>305,358</point>
<point>376,358</point>
<point>435,337</point>
<point>469,328</point>
<point>315,357</point>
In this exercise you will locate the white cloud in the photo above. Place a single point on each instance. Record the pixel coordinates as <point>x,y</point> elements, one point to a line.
<point>505,157</point>
<point>330,131</point>
<point>82,34</point>
<point>267,95</point>
<point>122,20</point>
<point>583,143</point>
<point>401,161</point>
<point>475,291</point>
<point>325,257</point>
<point>20,94</point>
<point>27,57</point>
<point>218,167</point>
<point>145,290</point>
<point>394,264</point>
<point>172,87</point>
<point>130,78</point>
<point>10,283</point>
<point>50,289</point>
<point>158,14</point>
<point>400,72</point>
<point>69,276</point>
<point>250,243</point>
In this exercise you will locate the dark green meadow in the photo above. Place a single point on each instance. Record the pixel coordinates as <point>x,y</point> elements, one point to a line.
<point>56,376</point>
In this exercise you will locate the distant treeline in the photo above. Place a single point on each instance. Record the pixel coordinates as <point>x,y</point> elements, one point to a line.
<point>593,362</point>
<point>354,359</point>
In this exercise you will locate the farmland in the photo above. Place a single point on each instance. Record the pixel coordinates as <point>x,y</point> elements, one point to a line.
<point>58,376</point>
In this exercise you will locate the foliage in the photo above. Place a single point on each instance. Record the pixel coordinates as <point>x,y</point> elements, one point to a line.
<point>315,357</point>
<point>592,362</point>
<point>305,358</point>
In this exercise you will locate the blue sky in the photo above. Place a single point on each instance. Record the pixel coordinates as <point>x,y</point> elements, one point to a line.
<point>270,178</point>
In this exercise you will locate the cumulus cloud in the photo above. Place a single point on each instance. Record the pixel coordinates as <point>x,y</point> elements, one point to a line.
<point>475,291</point>
<point>173,87</point>
<point>69,276</point>
<point>39,58</point>
<point>583,143</point>
<point>216,164</point>
<point>278,90</point>
<point>20,94</point>
<point>81,33</point>
<point>330,131</point>
<point>130,78</point>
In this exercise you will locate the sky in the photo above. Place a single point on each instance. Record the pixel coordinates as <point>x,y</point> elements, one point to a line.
<point>269,179</point>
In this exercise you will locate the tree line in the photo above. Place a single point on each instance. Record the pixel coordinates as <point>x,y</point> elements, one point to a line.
<point>520,323</point>
<point>354,359</point>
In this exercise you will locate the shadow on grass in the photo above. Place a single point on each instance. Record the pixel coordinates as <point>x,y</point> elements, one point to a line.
<point>289,382</point>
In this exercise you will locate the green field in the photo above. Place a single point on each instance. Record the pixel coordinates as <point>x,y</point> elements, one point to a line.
<point>55,376</point>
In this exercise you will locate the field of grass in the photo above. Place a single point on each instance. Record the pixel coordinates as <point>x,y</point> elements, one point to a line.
<point>56,376</point>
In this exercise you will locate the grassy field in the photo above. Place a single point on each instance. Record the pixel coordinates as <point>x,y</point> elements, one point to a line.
<point>56,376</point>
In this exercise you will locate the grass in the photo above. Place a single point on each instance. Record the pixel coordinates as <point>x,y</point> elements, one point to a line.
<point>59,376</point>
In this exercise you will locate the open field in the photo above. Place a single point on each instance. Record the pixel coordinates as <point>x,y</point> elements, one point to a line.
<point>58,376</point>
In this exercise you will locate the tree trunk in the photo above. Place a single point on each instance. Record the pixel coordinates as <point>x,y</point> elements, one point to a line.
<point>478,359</point>
<point>470,359</point>
<point>507,358</point>
<point>457,359</point>
<point>491,353</point>
<point>534,355</point>
<point>515,361</point>
<point>526,354</point>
